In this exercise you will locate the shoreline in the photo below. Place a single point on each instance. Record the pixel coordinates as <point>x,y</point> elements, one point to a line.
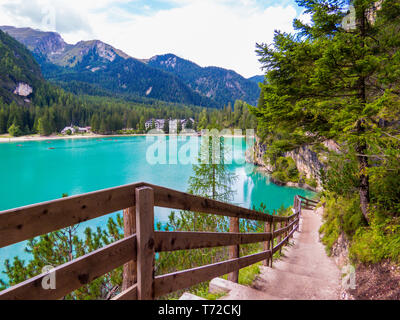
<point>296,185</point>
<point>4,139</point>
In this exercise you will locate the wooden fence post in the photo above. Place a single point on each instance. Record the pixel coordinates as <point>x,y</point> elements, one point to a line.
<point>267,245</point>
<point>130,269</point>
<point>272,243</point>
<point>234,251</point>
<point>279,226</point>
<point>287,231</point>
<point>145,242</point>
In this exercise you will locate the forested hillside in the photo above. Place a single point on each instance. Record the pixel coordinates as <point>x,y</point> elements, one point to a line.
<point>48,108</point>
<point>17,66</point>
<point>219,84</point>
<point>96,68</point>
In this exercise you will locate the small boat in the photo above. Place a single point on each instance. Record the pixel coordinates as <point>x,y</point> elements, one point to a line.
<point>51,148</point>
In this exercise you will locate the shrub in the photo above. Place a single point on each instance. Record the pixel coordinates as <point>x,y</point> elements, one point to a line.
<point>311,182</point>
<point>368,244</point>
<point>280,176</point>
<point>379,241</point>
<point>286,170</point>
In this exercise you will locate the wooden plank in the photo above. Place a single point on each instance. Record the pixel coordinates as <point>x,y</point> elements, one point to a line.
<point>25,223</point>
<point>279,236</point>
<point>272,244</point>
<point>130,269</point>
<point>267,244</point>
<point>184,279</point>
<point>75,274</point>
<point>309,200</point>
<point>145,242</point>
<point>175,241</point>
<point>167,198</point>
<point>129,294</point>
<point>234,251</point>
<point>280,245</point>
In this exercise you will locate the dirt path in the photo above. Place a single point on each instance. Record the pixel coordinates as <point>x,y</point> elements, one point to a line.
<point>305,272</point>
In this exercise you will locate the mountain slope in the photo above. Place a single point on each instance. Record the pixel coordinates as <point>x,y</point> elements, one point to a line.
<point>20,75</point>
<point>103,68</point>
<point>219,84</point>
<point>257,79</point>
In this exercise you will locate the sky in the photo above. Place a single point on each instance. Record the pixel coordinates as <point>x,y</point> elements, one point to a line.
<point>219,33</point>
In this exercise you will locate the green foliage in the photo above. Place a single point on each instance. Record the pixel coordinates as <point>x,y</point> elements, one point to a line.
<point>106,115</point>
<point>212,178</point>
<point>286,170</point>
<point>311,182</point>
<point>248,274</point>
<point>378,242</point>
<point>328,82</point>
<point>15,130</point>
<point>16,65</point>
<point>214,182</point>
<point>368,244</point>
<point>280,176</point>
<point>60,247</point>
<point>209,81</point>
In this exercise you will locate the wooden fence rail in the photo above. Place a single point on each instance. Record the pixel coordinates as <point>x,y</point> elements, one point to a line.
<point>137,250</point>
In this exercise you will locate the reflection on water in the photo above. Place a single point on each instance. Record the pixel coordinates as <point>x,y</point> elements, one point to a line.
<point>33,173</point>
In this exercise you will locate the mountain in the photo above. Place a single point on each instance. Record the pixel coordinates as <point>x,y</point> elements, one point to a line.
<point>103,69</point>
<point>20,75</point>
<point>219,84</point>
<point>94,67</point>
<point>257,79</point>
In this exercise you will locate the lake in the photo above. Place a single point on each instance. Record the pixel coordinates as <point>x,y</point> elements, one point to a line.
<point>38,171</point>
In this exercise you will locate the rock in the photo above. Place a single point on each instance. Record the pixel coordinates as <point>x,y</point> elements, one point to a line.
<point>23,89</point>
<point>307,161</point>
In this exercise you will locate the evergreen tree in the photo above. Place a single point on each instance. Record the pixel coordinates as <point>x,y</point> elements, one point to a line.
<point>166,126</point>
<point>15,130</point>
<point>330,81</point>
<point>212,178</point>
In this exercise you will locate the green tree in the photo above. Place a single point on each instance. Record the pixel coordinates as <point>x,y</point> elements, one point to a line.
<point>212,178</point>
<point>166,126</point>
<point>203,120</point>
<point>15,130</point>
<point>179,126</point>
<point>331,81</point>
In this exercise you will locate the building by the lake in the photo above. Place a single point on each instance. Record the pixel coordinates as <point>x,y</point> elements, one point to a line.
<point>75,129</point>
<point>173,124</point>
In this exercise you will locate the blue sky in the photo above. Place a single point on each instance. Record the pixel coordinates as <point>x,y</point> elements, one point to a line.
<point>209,32</point>
<point>147,7</point>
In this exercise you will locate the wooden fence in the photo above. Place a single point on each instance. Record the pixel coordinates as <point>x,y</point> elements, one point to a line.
<point>137,250</point>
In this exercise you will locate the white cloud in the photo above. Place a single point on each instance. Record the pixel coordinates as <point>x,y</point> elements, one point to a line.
<point>219,32</point>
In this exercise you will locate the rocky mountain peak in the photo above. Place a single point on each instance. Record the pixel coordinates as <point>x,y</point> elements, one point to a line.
<point>39,42</point>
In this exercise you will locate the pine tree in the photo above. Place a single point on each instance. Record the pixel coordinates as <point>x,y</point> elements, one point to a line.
<point>331,81</point>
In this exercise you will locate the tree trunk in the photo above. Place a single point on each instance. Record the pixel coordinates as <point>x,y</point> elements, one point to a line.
<point>361,146</point>
<point>363,165</point>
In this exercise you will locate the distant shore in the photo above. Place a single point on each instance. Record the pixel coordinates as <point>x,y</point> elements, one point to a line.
<point>7,139</point>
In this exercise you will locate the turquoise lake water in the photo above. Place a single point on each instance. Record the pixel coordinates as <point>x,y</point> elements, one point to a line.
<point>33,172</point>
